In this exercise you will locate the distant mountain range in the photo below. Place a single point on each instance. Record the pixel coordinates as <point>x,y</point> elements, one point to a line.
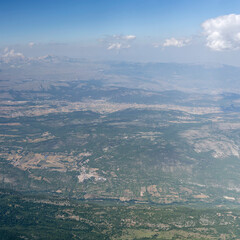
<point>149,76</point>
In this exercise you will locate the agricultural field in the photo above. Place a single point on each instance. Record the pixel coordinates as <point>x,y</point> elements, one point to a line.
<point>86,159</point>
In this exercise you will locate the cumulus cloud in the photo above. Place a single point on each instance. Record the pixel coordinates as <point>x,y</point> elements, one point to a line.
<point>173,42</point>
<point>118,42</point>
<point>9,54</point>
<point>117,46</point>
<point>223,33</point>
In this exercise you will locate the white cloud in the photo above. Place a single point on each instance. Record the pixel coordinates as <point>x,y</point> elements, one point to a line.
<point>118,42</point>
<point>124,37</point>
<point>173,42</point>
<point>9,55</point>
<point>129,37</point>
<point>12,54</point>
<point>223,33</point>
<point>114,46</point>
<point>117,46</point>
<point>31,44</point>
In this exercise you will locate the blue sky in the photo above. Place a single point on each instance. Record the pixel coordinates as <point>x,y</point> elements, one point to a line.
<point>107,23</point>
<point>72,20</point>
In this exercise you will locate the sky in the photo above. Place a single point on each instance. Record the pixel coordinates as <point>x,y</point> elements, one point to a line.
<point>134,30</point>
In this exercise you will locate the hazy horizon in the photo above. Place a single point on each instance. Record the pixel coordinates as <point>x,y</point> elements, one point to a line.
<point>140,31</point>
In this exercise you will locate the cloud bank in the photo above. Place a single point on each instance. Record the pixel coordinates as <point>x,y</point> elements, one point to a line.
<point>223,33</point>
